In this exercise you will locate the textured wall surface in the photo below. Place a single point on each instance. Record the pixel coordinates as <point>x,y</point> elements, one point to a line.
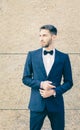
<point>19,31</point>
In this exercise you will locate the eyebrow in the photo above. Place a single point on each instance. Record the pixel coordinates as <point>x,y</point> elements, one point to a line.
<point>43,34</point>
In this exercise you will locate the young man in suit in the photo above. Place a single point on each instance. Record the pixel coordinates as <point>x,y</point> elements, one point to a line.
<point>43,72</point>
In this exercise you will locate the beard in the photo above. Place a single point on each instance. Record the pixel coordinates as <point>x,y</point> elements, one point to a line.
<point>47,44</point>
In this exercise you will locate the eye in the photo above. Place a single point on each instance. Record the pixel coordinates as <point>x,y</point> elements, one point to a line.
<point>44,35</point>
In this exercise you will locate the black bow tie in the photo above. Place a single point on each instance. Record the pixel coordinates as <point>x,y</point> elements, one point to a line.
<point>48,52</point>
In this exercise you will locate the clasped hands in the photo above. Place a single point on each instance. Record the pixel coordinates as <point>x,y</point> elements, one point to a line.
<point>47,89</point>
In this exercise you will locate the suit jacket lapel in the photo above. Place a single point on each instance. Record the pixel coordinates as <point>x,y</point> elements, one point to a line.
<point>41,64</point>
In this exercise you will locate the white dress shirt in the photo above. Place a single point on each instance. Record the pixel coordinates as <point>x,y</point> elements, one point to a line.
<point>48,60</point>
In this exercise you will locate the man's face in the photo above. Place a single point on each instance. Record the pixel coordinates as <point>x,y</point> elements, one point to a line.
<point>45,38</point>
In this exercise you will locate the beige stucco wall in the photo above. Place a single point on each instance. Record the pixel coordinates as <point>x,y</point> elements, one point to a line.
<point>19,31</point>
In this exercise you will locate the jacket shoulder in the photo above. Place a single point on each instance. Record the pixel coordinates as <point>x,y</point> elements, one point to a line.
<point>61,53</point>
<point>35,51</point>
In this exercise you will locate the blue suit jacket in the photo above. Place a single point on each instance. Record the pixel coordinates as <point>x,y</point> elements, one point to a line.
<point>34,73</point>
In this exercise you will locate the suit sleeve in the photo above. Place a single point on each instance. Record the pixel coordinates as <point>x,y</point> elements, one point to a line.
<point>67,77</point>
<point>28,74</point>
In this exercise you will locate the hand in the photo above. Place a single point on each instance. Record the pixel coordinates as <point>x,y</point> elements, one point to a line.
<point>47,93</point>
<point>46,85</point>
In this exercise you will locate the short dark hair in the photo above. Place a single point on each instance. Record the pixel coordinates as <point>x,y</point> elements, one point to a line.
<point>51,28</point>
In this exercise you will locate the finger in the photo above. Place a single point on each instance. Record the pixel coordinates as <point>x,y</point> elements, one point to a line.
<point>42,94</point>
<point>41,90</point>
<point>51,86</point>
<point>49,82</point>
<point>54,86</point>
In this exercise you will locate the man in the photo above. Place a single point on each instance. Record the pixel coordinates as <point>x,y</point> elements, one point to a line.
<point>43,73</point>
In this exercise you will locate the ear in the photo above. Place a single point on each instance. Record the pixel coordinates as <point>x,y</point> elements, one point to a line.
<point>54,36</point>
